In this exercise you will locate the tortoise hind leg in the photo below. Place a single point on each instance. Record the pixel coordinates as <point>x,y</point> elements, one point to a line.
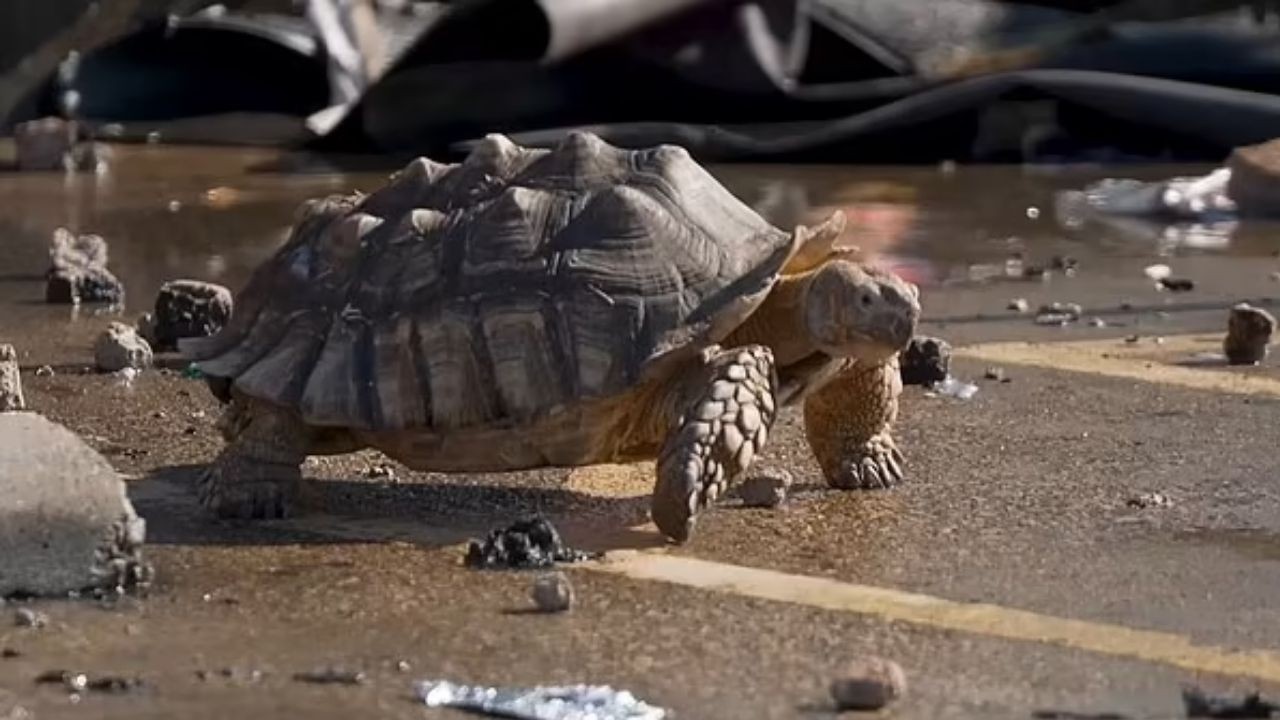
<point>847,423</point>
<point>722,417</point>
<point>258,473</point>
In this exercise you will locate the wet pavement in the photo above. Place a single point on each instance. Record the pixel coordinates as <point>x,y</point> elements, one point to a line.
<point>1018,498</point>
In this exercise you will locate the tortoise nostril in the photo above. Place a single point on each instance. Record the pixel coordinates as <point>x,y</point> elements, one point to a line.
<point>865,299</point>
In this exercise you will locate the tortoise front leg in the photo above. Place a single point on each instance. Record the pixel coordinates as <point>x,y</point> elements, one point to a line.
<point>721,422</point>
<point>258,473</point>
<point>847,423</point>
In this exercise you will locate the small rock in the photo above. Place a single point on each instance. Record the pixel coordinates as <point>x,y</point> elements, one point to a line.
<point>119,347</point>
<point>381,471</point>
<point>174,206</point>
<point>1255,179</point>
<point>1132,339</point>
<point>552,593</point>
<point>146,327</point>
<point>1177,284</point>
<point>78,270</point>
<point>994,373</point>
<point>44,371</point>
<point>1249,331</point>
<point>1275,276</point>
<point>1097,322</point>
<point>44,144</point>
<point>1149,500</point>
<point>869,683</point>
<point>10,381</point>
<point>403,666</point>
<point>926,360</point>
<point>187,309</point>
<point>9,653</point>
<point>1158,340</point>
<point>26,617</point>
<point>1018,305</point>
<point>766,489</point>
<point>66,523</point>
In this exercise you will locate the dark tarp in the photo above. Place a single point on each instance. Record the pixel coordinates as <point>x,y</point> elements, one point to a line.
<point>829,80</point>
<point>778,80</point>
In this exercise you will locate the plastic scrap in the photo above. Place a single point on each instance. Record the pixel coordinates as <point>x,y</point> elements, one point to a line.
<point>1182,198</point>
<point>572,702</point>
<point>952,387</point>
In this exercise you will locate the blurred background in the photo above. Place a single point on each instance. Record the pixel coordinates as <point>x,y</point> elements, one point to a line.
<point>848,81</point>
<point>968,141</point>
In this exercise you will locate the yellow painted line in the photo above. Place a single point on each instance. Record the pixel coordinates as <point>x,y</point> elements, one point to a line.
<point>1115,358</point>
<point>978,618</point>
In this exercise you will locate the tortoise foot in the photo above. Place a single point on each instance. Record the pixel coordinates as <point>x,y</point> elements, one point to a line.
<point>725,425</point>
<point>242,488</point>
<point>874,465</point>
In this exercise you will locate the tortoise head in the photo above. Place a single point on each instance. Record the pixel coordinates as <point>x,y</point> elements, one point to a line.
<point>853,309</point>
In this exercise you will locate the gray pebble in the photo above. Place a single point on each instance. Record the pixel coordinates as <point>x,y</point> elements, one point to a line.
<point>10,381</point>
<point>552,593</point>
<point>120,347</point>
<point>1019,305</point>
<point>1249,332</point>
<point>767,489</point>
<point>869,683</point>
<point>26,617</point>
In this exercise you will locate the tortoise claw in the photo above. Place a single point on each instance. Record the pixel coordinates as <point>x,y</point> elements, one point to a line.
<point>234,489</point>
<point>876,465</point>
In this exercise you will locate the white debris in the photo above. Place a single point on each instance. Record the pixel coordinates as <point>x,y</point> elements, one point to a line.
<point>574,702</point>
<point>959,389</point>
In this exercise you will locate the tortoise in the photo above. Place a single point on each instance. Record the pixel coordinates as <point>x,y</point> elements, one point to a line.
<point>555,307</point>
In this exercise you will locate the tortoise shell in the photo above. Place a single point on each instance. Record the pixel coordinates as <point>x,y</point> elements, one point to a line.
<point>497,291</point>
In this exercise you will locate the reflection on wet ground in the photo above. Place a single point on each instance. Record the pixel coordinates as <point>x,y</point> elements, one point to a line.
<point>215,212</point>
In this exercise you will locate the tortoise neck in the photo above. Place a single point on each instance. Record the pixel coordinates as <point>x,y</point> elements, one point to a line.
<point>779,322</point>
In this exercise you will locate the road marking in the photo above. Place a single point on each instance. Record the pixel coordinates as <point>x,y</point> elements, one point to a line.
<point>978,618</point>
<point>1132,361</point>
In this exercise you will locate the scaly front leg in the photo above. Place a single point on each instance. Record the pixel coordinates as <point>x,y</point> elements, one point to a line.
<point>725,414</point>
<point>847,423</point>
<point>259,472</point>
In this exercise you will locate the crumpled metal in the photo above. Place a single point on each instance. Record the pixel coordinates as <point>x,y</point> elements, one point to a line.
<point>571,702</point>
